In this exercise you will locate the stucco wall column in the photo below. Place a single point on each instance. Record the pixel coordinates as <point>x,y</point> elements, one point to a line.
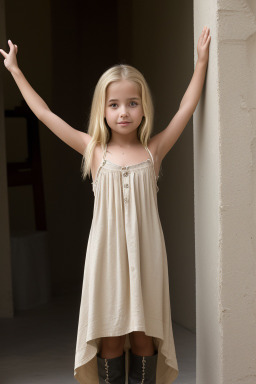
<point>225,193</point>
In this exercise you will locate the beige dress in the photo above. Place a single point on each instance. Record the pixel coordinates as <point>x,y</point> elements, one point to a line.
<point>126,282</point>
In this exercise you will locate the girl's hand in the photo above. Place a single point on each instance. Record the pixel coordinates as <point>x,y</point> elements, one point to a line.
<point>203,45</point>
<point>10,60</point>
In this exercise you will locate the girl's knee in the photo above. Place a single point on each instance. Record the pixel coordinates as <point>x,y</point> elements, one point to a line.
<point>113,344</point>
<point>139,339</point>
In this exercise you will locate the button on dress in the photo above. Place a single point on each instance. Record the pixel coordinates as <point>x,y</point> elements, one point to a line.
<point>125,283</point>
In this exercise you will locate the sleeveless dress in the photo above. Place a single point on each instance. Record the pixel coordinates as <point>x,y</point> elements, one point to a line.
<point>125,283</point>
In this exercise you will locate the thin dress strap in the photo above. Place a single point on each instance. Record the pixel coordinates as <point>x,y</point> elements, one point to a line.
<point>103,161</point>
<point>153,166</point>
<point>105,151</point>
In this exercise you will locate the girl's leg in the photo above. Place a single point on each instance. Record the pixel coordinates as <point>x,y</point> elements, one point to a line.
<point>112,346</point>
<point>111,360</point>
<point>141,344</point>
<point>143,359</point>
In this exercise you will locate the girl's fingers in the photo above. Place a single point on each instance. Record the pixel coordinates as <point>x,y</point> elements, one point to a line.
<point>208,39</point>
<point>11,45</point>
<point>201,37</point>
<point>206,35</point>
<point>3,53</point>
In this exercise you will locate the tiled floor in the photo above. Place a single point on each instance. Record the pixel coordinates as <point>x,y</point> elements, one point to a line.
<point>38,346</point>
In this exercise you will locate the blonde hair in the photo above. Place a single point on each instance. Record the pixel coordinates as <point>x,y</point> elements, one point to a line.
<point>98,128</point>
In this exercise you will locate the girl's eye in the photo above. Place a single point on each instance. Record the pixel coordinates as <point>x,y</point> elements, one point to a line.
<point>132,102</point>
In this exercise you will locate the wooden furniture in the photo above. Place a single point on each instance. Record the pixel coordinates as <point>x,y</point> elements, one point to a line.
<point>29,171</point>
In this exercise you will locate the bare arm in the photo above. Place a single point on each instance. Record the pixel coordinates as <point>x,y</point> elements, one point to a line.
<point>194,90</point>
<point>164,140</point>
<point>74,138</point>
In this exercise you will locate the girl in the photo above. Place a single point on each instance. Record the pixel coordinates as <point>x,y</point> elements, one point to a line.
<point>125,304</point>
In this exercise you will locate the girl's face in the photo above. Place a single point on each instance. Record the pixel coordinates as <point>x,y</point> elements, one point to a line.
<point>123,104</point>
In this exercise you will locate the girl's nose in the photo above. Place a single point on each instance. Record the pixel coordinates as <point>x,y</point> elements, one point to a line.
<point>123,112</point>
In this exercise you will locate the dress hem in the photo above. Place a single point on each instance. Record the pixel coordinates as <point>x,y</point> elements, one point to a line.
<point>86,376</point>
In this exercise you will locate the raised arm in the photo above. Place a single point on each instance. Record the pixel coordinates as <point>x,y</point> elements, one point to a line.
<point>74,138</point>
<point>164,140</point>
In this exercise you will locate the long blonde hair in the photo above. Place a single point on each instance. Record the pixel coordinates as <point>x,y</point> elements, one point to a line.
<point>98,128</point>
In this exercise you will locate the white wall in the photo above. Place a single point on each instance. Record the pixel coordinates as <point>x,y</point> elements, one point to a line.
<point>225,155</point>
<point>207,201</point>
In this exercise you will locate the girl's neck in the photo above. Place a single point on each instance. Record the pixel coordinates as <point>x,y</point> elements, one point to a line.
<point>124,141</point>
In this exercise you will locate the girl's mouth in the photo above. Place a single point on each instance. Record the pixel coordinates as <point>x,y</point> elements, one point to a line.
<point>124,123</point>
